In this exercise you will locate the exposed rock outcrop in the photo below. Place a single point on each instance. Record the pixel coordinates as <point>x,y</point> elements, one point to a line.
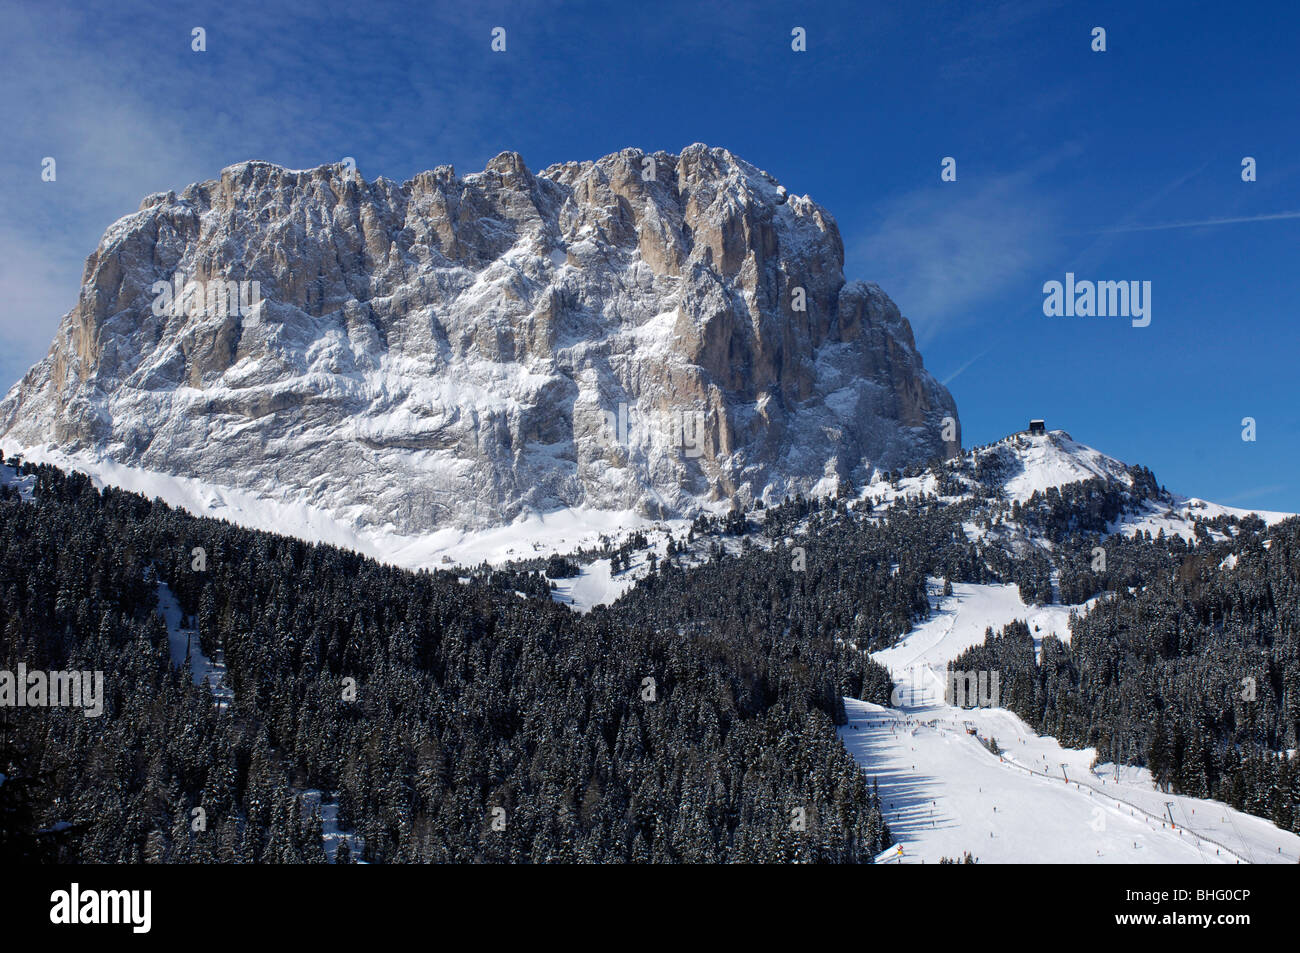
<point>651,331</point>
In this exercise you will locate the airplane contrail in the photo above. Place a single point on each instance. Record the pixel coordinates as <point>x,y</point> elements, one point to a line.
<point>953,376</point>
<point>1274,216</point>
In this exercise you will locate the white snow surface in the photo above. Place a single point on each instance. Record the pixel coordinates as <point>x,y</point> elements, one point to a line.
<point>960,622</point>
<point>535,535</point>
<point>183,641</point>
<point>332,836</point>
<point>596,585</point>
<point>1176,519</point>
<point>25,485</point>
<point>1056,459</point>
<point>944,793</point>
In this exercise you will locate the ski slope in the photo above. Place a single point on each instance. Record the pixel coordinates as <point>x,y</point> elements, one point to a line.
<point>959,622</point>
<point>183,643</point>
<point>944,793</point>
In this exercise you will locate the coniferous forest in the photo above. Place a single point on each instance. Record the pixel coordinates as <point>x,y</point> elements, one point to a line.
<point>1195,674</point>
<point>486,725</point>
<point>464,716</point>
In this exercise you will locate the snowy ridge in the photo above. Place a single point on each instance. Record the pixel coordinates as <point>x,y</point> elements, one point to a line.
<point>1055,459</point>
<point>1023,464</point>
<point>1176,517</point>
<point>1033,464</point>
<point>533,534</point>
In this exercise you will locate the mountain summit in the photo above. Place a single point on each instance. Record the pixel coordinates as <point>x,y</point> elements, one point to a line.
<point>647,331</point>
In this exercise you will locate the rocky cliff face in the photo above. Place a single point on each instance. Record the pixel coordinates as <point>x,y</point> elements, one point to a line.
<point>649,331</point>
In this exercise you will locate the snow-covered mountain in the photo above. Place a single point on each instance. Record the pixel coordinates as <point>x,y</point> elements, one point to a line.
<point>1010,470</point>
<point>1032,463</point>
<point>647,333</point>
<point>1022,464</point>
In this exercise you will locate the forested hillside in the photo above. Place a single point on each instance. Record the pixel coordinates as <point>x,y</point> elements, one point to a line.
<point>1195,675</point>
<point>466,716</point>
<point>469,698</point>
<point>1189,664</point>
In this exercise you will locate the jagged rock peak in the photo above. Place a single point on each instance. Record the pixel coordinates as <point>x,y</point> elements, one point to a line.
<point>647,330</point>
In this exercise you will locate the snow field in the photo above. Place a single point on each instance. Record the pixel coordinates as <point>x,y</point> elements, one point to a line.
<point>944,793</point>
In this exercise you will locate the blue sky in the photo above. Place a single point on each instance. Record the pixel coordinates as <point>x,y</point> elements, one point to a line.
<point>1065,159</point>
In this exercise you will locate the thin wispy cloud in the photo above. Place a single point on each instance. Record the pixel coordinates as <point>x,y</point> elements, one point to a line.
<point>1255,493</point>
<point>945,249</point>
